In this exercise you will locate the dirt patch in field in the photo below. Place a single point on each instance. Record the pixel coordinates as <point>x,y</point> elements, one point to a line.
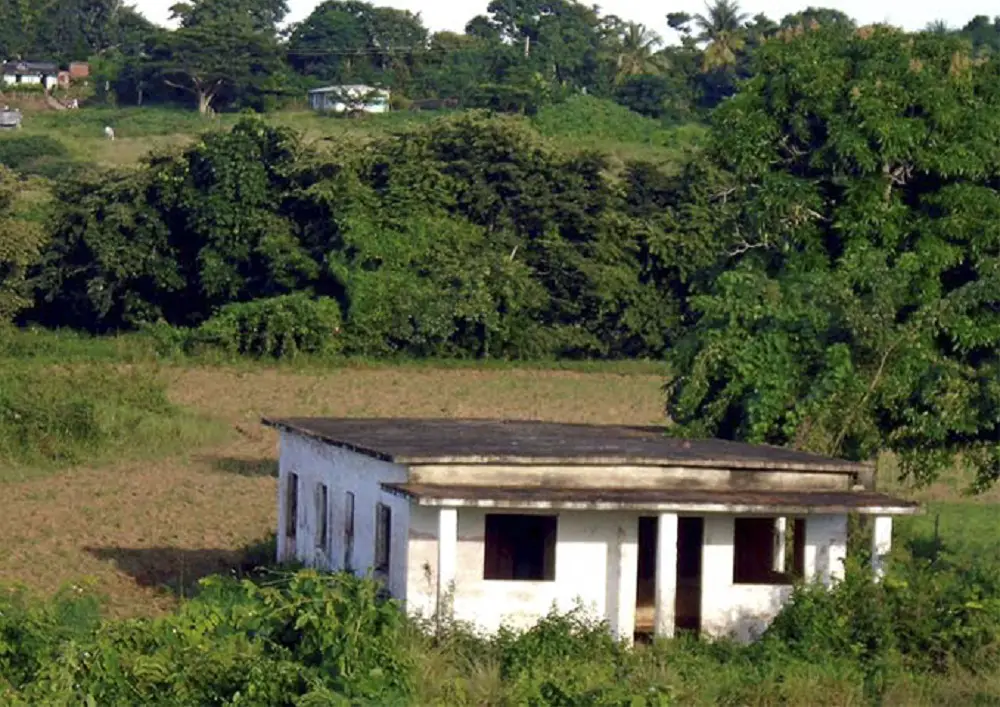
<point>143,532</point>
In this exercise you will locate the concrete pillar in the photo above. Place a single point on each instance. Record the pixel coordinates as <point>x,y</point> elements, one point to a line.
<point>826,548</point>
<point>881,544</point>
<point>447,559</point>
<point>780,538</point>
<point>626,580</point>
<point>666,575</point>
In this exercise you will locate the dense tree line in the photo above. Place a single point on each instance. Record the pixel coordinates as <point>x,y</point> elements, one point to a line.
<point>469,237</point>
<point>231,54</point>
<point>823,274</point>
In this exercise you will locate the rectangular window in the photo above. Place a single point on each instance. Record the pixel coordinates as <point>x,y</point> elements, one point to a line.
<point>756,544</point>
<point>383,535</point>
<point>520,547</point>
<point>322,516</point>
<point>349,530</point>
<point>292,505</point>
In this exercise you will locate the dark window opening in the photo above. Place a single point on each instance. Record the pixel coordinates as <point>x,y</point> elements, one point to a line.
<point>322,516</point>
<point>762,556</point>
<point>520,547</point>
<point>292,505</point>
<point>383,535</point>
<point>348,530</point>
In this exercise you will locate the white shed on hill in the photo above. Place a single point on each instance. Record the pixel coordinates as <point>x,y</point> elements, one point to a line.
<point>356,98</point>
<point>497,522</point>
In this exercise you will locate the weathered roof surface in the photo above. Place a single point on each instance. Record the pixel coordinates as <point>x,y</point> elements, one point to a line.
<point>29,67</point>
<point>659,500</point>
<point>430,441</point>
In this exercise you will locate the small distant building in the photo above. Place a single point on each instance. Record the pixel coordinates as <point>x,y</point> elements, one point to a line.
<point>10,118</point>
<point>497,522</point>
<point>356,98</point>
<point>38,73</point>
<point>79,70</point>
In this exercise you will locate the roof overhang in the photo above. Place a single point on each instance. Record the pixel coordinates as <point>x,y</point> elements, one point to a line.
<point>440,442</point>
<point>687,501</point>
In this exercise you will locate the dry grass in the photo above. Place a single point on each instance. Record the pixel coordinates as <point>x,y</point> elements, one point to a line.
<point>143,532</point>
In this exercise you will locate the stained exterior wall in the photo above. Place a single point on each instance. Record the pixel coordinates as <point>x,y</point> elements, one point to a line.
<point>342,471</point>
<point>596,562</point>
<point>596,552</point>
<point>745,610</point>
<point>581,476</point>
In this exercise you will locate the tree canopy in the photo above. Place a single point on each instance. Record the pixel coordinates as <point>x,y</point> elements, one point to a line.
<point>854,303</point>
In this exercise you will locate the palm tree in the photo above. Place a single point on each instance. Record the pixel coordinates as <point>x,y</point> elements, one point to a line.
<point>722,29</point>
<point>637,52</point>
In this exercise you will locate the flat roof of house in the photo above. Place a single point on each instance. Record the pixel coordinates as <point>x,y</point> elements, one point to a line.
<point>745,502</point>
<point>348,87</point>
<point>20,67</point>
<point>527,442</point>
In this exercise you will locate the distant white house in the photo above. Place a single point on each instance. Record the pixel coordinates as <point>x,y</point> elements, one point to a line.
<point>350,98</point>
<point>497,522</point>
<point>43,73</point>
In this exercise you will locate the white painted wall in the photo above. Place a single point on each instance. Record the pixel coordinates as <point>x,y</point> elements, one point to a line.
<point>743,611</point>
<point>596,562</point>
<point>826,548</point>
<point>596,552</point>
<point>342,471</point>
<point>377,103</point>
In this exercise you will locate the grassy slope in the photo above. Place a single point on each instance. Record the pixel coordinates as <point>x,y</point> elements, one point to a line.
<point>582,123</point>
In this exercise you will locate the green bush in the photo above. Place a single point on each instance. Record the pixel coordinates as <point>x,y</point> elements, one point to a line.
<point>308,638</point>
<point>279,327</point>
<point>590,117</point>
<point>38,155</point>
<point>51,416</point>
<point>925,617</point>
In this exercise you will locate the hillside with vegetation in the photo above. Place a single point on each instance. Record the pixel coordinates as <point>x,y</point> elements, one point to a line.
<point>779,232</point>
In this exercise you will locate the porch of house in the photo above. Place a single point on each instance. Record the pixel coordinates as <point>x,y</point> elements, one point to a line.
<point>712,566</point>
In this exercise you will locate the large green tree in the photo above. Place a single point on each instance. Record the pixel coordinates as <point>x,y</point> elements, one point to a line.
<point>855,301</point>
<point>349,40</point>
<point>222,48</point>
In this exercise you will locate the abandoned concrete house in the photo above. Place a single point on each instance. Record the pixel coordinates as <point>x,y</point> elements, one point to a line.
<point>498,522</point>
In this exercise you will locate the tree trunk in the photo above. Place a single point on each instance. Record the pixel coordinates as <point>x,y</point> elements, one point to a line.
<point>204,103</point>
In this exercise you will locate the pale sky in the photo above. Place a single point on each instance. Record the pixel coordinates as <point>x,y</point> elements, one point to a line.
<point>452,15</point>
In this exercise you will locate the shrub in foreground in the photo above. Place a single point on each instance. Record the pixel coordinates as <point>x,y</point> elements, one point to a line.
<point>307,638</point>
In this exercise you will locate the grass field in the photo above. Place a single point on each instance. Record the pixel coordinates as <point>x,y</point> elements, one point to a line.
<point>581,124</point>
<point>143,531</point>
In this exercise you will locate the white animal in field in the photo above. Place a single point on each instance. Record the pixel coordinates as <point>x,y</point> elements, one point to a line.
<point>109,133</point>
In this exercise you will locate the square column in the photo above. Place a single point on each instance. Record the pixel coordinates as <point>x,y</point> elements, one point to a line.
<point>447,560</point>
<point>623,569</point>
<point>666,575</point>
<point>881,544</point>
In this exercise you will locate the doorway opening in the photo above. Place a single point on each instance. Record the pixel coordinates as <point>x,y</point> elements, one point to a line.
<point>687,604</point>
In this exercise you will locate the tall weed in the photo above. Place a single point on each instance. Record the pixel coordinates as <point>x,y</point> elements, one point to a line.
<point>59,416</point>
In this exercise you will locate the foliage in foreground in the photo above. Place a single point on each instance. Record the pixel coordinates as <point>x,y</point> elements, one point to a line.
<point>307,638</point>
